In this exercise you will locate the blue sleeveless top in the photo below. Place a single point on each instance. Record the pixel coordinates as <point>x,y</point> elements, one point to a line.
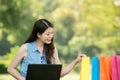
<point>33,57</point>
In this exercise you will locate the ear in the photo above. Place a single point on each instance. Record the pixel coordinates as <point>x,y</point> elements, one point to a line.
<point>38,35</point>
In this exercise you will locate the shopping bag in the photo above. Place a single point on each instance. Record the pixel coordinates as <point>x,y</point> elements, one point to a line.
<point>118,66</point>
<point>115,67</point>
<point>109,67</point>
<point>105,68</point>
<point>85,71</point>
<point>95,68</point>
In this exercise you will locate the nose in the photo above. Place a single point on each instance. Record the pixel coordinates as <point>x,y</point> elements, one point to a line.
<point>51,36</point>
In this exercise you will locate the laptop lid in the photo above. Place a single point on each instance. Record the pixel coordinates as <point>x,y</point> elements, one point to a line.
<point>44,72</point>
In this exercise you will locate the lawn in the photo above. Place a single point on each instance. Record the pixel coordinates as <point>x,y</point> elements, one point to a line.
<point>70,76</point>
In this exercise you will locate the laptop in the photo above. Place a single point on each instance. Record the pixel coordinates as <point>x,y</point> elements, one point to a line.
<point>44,72</point>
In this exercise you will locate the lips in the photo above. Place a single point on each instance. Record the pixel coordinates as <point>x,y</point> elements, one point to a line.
<point>48,40</point>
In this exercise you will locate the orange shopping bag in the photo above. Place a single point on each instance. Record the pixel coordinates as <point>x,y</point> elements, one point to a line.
<point>105,68</point>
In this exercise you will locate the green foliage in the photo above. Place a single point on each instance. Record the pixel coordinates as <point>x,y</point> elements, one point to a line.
<point>98,25</point>
<point>7,59</point>
<point>89,25</point>
<point>9,56</point>
<point>4,45</point>
<point>15,17</point>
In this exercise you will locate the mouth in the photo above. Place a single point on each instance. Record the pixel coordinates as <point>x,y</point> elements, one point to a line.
<point>49,40</point>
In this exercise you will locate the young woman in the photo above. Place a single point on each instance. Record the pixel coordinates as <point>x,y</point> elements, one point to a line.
<point>38,49</point>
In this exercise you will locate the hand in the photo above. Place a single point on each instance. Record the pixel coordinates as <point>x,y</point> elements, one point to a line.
<point>22,78</point>
<point>79,57</point>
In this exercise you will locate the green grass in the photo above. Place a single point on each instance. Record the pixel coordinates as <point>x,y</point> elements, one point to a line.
<point>6,77</point>
<point>70,76</point>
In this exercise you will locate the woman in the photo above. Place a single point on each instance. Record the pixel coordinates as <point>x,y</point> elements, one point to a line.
<point>38,49</point>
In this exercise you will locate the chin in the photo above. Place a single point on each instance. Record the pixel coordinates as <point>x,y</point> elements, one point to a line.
<point>48,42</point>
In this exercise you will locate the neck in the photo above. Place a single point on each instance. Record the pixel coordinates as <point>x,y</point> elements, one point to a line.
<point>39,43</point>
<point>40,46</point>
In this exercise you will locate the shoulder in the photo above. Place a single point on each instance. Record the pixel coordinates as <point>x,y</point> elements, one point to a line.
<point>23,47</point>
<point>27,46</point>
<point>22,52</point>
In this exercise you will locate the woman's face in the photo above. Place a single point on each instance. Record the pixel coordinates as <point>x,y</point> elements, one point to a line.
<point>47,36</point>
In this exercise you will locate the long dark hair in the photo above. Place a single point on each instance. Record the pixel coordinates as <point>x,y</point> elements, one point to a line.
<point>39,27</point>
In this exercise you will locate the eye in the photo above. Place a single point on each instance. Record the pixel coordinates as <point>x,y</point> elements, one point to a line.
<point>48,34</point>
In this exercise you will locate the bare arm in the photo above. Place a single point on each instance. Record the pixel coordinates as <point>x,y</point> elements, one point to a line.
<point>67,69</point>
<point>15,62</point>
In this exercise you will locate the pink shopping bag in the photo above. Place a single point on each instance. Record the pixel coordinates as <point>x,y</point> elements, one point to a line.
<point>115,67</point>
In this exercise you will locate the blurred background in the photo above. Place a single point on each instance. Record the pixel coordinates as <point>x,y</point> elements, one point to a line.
<point>89,26</point>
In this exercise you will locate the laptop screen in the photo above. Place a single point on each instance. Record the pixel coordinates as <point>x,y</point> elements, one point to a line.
<point>44,72</point>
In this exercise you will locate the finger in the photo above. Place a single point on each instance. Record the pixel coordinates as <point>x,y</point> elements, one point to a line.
<point>82,55</point>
